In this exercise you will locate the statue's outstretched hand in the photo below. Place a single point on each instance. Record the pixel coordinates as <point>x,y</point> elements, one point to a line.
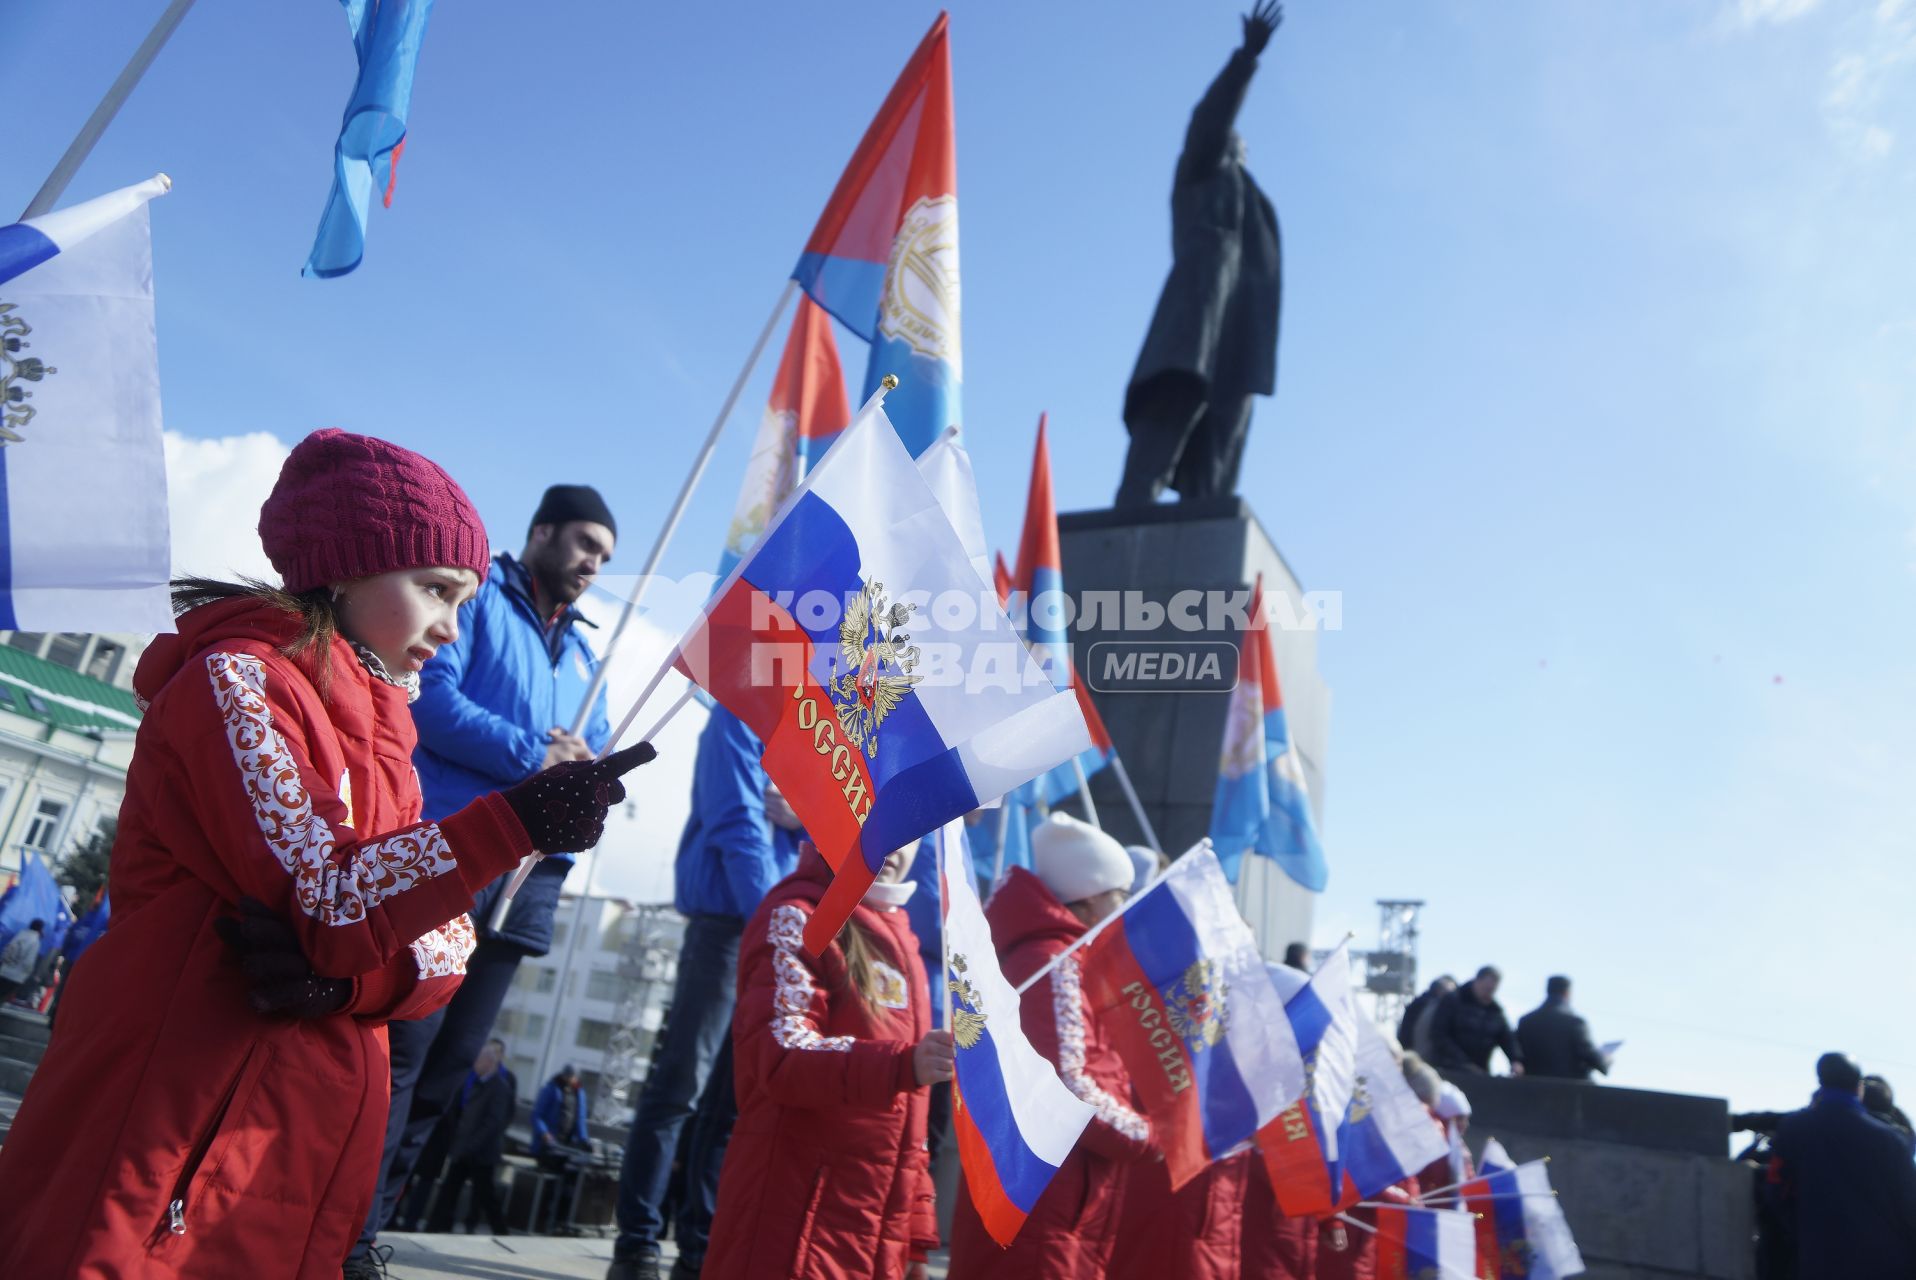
<point>1260,24</point>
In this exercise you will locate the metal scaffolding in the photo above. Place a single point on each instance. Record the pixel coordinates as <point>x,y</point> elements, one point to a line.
<point>1390,969</point>
<point>648,959</point>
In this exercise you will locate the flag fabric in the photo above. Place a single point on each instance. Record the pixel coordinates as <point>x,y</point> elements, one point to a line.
<point>883,258</point>
<point>1520,1224</point>
<point>1039,577</point>
<point>804,414</point>
<point>1290,833</point>
<point>35,896</point>
<point>386,39</point>
<point>1001,577</point>
<point>88,929</point>
<point>1014,1120</point>
<point>1413,1244</point>
<point>80,415</point>
<point>1301,1147</point>
<point>1262,803</point>
<point>1241,800</point>
<point>881,721</point>
<point>947,469</point>
<point>1388,1134</point>
<point>1191,1009</point>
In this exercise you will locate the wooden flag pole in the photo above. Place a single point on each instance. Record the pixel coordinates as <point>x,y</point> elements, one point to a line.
<point>56,184</point>
<point>677,513</point>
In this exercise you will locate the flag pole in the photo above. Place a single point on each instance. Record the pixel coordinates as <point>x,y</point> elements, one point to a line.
<point>1004,829</point>
<point>56,184</point>
<point>944,937</point>
<point>678,507</point>
<point>1103,924</point>
<point>1084,793</point>
<point>1131,797</point>
<point>531,859</point>
<point>1359,1222</point>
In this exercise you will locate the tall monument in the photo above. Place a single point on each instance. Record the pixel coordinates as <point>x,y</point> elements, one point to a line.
<point>1161,666</point>
<point>1212,345</point>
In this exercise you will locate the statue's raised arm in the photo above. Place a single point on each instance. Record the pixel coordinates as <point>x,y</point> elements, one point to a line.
<point>1209,137</point>
<point>1212,345</point>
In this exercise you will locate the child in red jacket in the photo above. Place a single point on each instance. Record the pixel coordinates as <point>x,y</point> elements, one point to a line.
<point>215,1101</point>
<point>826,1177</point>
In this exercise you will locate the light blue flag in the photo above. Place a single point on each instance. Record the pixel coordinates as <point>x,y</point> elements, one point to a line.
<point>80,416</point>
<point>386,37</point>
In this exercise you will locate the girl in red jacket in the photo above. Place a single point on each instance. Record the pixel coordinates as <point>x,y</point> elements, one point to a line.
<point>1082,876</point>
<point>215,1101</point>
<point>826,1177</point>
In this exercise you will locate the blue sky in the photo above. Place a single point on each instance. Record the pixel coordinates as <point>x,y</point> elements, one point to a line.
<point>1596,393</point>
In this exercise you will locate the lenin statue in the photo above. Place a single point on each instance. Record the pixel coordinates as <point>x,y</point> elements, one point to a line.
<point>1213,340</point>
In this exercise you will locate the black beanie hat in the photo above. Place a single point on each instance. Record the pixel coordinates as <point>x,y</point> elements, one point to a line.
<point>567,502</point>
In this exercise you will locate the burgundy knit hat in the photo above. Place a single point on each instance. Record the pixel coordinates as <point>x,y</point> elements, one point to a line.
<point>348,506</point>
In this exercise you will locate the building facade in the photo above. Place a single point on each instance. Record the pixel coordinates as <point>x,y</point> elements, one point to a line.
<point>67,722</point>
<point>616,979</point>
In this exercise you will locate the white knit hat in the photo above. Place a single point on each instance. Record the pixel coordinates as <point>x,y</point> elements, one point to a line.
<point>1451,1102</point>
<point>1076,860</point>
<point>1144,865</point>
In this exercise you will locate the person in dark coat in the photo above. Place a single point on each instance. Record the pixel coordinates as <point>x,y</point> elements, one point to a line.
<point>1556,1042</point>
<point>1843,1182</point>
<point>485,1104</point>
<point>1212,344</point>
<point>1413,1031</point>
<point>1469,1025</point>
<point>1880,1101</point>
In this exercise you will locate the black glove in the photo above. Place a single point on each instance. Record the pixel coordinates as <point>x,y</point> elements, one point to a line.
<point>280,983</point>
<point>563,808</point>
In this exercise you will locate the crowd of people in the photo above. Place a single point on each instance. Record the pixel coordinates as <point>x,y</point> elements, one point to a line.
<point>288,1024</point>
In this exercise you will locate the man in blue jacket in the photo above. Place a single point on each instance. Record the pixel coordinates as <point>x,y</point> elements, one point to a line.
<point>732,852</point>
<point>494,708</point>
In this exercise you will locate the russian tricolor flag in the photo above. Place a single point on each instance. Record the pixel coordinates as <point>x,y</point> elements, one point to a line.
<point>881,721</point>
<point>883,258</point>
<point>1301,1149</point>
<point>80,418</point>
<point>1015,1121</point>
<point>1521,1230</point>
<point>1387,1135</point>
<point>804,414</point>
<point>1414,1243</point>
<point>1178,984</point>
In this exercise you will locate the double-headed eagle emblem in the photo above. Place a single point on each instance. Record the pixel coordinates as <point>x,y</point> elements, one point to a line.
<point>15,371</point>
<point>967,1022</point>
<point>1195,1005</point>
<point>878,660</point>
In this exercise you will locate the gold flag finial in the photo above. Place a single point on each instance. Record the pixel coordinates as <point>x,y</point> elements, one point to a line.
<point>889,382</point>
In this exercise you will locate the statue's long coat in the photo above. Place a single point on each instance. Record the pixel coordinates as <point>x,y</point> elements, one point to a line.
<point>1218,315</point>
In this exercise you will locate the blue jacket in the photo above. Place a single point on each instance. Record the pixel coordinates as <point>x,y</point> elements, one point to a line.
<point>485,704</point>
<point>545,1119</point>
<point>928,922</point>
<point>730,854</point>
<point>487,700</point>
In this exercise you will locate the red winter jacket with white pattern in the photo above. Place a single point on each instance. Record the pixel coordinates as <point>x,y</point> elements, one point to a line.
<point>826,1177</point>
<point>1072,1229</point>
<point>211,1140</point>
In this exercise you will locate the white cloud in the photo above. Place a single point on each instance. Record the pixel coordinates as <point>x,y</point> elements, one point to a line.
<point>642,835</point>
<point>214,491</point>
<point>1750,13</point>
<point>1870,72</point>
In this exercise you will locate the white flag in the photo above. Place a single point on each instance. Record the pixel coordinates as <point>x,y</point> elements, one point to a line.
<point>83,525</point>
